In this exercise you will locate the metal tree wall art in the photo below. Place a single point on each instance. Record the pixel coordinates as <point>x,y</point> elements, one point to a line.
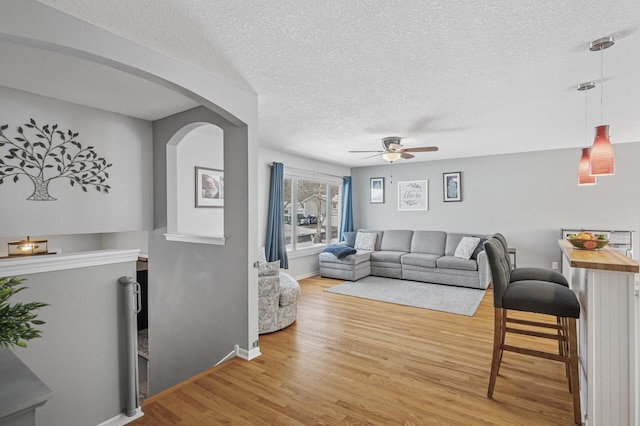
<point>45,153</point>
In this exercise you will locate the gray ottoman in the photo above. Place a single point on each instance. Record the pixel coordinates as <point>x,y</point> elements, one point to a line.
<point>351,268</point>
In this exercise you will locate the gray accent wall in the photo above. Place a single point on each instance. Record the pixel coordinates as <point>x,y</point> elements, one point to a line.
<point>528,197</point>
<point>81,355</point>
<point>198,293</point>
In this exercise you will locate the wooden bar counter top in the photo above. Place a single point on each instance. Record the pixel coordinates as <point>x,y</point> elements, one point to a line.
<point>607,259</point>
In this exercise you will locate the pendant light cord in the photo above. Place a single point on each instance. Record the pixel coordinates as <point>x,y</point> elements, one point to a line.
<point>586,119</point>
<point>601,85</point>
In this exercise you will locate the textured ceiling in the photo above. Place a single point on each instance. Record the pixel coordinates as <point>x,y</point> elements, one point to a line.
<point>474,78</point>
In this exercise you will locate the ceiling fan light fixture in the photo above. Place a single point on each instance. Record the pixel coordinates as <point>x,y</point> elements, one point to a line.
<point>391,156</point>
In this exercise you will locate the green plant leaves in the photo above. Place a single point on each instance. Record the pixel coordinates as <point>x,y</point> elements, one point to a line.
<point>17,320</point>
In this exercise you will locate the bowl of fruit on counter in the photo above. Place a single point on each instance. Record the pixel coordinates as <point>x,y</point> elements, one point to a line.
<point>588,241</point>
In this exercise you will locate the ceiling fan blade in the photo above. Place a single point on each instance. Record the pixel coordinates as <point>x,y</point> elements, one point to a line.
<point>371,156</point>
<point>406,155</point>
<point>421,149</point>
<point>379,152</point>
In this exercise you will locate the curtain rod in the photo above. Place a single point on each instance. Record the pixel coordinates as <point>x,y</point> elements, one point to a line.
<point>306,171</point>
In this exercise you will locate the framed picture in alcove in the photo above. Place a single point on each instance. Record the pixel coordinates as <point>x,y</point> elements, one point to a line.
<point>209,187</point>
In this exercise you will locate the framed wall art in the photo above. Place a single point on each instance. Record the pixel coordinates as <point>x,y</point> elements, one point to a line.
<point>413,195</point>
<point>377,190</point>
<point>209,187</point>
<point>452,186</point>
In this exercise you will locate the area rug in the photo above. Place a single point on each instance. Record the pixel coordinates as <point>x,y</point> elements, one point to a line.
<point>445,298</point>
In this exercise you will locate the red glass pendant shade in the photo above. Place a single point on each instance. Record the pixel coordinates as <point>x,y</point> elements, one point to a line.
<point>584,178</point>
<point>602,161</point>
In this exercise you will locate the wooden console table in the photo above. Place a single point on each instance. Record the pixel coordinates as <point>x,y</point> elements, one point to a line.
<point>608,339</point>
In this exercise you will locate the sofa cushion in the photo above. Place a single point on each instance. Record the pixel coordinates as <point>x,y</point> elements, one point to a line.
<point>387,256</point>
<point>453,239</point>
<point>396,240</point>
<point>339,250</point>
<point>466,246</point>
<point>425,260</point>
<point>452,262</point>
<point>268,302</point>
<point>324,266</point>
<point>350,238</point>
<point>377,232</point>
<point>289,289</point>
<point>365,241</point>
<point>431,242</point>
<point>353,259</point>
<point>266,269</point>
<point>479,248</point>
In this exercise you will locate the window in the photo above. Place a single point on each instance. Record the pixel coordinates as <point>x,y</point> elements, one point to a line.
<point>310,221</point>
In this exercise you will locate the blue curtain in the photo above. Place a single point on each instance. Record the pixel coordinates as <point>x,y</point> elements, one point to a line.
<point>275,247</point>
<point>346,215</point>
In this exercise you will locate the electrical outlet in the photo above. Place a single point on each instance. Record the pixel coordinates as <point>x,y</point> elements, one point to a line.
<point>554,265</point>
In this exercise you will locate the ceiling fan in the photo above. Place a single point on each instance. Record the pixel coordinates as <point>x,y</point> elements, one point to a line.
<point>393,149</point>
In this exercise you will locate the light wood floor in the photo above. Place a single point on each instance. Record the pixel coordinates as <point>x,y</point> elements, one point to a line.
<point>354,361</point>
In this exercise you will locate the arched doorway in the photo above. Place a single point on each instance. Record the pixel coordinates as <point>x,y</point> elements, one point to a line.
<point>195,161</point>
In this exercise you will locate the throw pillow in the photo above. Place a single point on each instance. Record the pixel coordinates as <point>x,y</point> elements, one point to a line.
<point>466,246</point>
<point>365,241</point>
<point>350,238</point>
<point>478,249</point>
<point>266,269</point>
<point>339,250</point>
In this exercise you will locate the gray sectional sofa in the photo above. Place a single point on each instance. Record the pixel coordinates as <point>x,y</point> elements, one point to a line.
<point>427,256</point>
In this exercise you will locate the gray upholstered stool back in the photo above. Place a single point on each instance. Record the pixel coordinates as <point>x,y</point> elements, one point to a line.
<point>500,269</point>
<point>505,247</point>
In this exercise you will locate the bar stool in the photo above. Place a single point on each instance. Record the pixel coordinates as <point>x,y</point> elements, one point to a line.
<point>535,296</point>
<point>538,274</point>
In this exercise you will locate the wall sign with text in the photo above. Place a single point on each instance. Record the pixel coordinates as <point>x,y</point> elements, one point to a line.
<point>413,195</point>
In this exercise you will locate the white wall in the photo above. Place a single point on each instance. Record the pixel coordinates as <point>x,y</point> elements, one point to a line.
<point>126,240</point>
<point>202,147</point>
<point>299,265</point>
<point>125,142</point>
<point>528,197</point>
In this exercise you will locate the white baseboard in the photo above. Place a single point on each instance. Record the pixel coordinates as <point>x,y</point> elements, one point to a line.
<point>248,355</point>
<point>231,354</point>
<point>309,275</point>
<point>122,419</point>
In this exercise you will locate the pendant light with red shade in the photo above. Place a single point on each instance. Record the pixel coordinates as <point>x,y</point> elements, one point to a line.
<point>601,160</point>
<point>584,178</point>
